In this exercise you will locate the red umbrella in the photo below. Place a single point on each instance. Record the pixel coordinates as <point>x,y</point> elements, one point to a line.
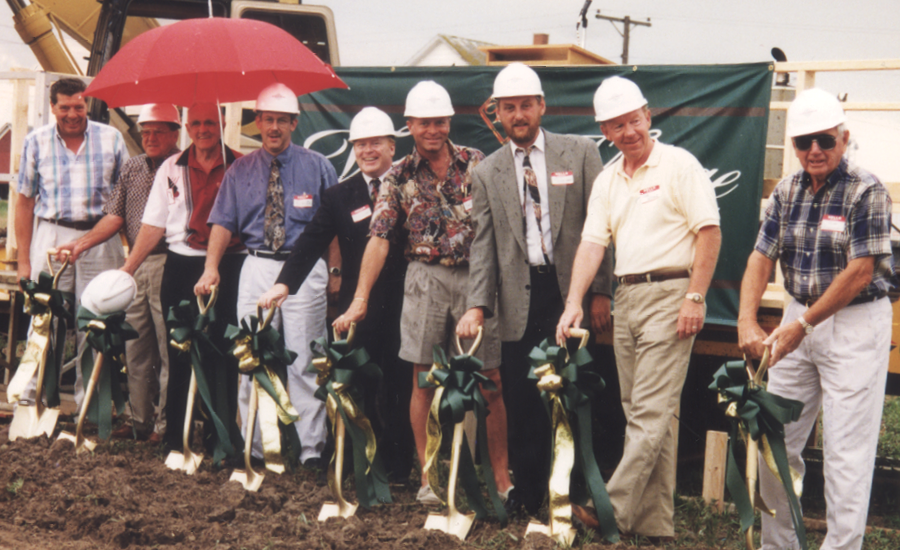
<point>209,60</point>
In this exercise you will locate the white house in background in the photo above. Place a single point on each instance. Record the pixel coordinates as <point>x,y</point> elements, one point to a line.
<point>447,51</point>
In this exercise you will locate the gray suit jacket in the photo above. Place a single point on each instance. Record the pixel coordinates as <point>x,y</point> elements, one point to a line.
<point>498,259</point>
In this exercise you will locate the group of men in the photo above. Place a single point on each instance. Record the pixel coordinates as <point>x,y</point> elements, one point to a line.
<point>447,242</point>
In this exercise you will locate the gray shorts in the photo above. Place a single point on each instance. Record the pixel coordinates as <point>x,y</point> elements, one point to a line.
<point>434,300</point>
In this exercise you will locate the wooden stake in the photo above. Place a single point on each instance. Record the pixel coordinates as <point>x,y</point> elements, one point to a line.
<point>714,469</point>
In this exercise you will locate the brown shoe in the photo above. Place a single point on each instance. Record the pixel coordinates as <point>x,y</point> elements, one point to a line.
<point>154,439</point>
<point>586,516</point>
<point>123,432</point>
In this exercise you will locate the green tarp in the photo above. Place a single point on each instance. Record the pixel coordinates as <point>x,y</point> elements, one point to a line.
<point>717,112</point>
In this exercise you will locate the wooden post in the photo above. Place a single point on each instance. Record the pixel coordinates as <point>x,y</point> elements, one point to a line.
<point>714,469</point>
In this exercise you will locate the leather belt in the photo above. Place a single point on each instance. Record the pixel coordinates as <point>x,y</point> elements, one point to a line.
<point>856,301</point>
<point>278,256</point>
<point>654,277</point>
<point>79,226</point>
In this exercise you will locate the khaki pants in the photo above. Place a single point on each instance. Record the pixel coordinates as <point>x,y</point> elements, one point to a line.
<point>652,364</point>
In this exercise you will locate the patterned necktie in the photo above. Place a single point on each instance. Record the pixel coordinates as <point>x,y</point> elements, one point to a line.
<point>530,185</point>
<point>274,224</point>
<point>376,185</point>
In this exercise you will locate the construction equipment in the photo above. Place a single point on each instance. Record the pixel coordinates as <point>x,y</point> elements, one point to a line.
<point>187,461</point>
<point>455,523</point>
<point>34,420</point>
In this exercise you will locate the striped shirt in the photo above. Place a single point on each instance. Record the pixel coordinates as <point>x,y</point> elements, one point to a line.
<point>817,235</point>
<point>71,186</point>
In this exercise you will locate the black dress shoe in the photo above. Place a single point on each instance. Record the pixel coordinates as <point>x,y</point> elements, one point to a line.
<point>315,463</point>
<point>513,502</point>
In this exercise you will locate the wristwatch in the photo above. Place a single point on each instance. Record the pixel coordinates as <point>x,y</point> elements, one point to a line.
<point>695,297</point>
<point>808,328</point>
<point>336,271</point>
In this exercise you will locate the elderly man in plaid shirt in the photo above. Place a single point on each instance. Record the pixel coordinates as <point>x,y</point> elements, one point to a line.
<point>829,224</point>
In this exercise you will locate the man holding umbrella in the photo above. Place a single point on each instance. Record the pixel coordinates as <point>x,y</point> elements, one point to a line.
<point>182,195</point>
<point>148,359</point>
<point>267,199</point>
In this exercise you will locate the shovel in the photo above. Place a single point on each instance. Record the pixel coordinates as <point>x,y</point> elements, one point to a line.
<point>560,529</point>
<point>341,508</point>
<point>248,477</point>
<point>455,523</point>
<point>34,420</point>
<point>80,442</point>
<point>187,461</point>
<point>752,472</point>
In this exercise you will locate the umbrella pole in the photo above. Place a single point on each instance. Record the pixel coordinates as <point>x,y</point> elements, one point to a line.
<point>221,127</point>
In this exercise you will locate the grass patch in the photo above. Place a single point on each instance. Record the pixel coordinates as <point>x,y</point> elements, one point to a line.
<point>889,438</point>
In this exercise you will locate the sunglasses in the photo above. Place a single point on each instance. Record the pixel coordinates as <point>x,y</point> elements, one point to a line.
<point>826,142</point>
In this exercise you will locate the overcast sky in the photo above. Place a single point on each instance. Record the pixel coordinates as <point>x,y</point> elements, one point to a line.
<point>389,32</point>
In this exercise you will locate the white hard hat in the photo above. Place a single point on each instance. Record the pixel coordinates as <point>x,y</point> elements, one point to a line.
<point>371,122</point>
<point>428,99</point>
<point>159,112</point>
<point>109,292</point>
<point>278,98</point>
<point>516,80</point>
<point>812,111</point>
<point>615,97</point>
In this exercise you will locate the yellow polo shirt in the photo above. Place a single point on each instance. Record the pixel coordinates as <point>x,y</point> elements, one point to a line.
<point>653,217</point>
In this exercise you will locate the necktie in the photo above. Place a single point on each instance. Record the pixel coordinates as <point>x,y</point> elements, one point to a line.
<point>376,185</point>
<point>531,187</point>
<point>274,223</point>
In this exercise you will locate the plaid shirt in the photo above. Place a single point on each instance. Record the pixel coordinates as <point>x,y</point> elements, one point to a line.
<point>129,197</point>
<point>71,186</point>
<point>815,236</point>
<point>434,211</point>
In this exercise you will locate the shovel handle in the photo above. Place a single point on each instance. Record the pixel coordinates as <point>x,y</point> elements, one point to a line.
<point>251,423</point>
<point>268,320</point>
<point>205,303</point>
<point>189,413</point>
<point>351,332</point>
<point>50,253</point>
<point>88,395</point>
<point>582,333</point>
<point>455,450</point>
<point>475,345</point>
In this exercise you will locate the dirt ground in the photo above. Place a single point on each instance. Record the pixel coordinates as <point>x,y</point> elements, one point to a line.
<point>123,496</point>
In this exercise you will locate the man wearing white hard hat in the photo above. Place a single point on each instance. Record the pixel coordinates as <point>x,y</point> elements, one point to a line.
<point>829,224</point>
<point>345,213</point>
<point>425,204</point>
<point>147,356</point>
<point>530,201</point>
<point>657,205</point>
<point>68,169</point>
<point>177,209</point>
<point>267,199</point>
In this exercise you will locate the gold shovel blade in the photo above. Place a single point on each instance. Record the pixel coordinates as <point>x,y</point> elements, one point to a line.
<point>28,421</point>
<point>80,446</point>
<point>187,462</point>
<point>333,510</point>
<point>250,479</point>
<point>457,524</point>
<point>566,537</point>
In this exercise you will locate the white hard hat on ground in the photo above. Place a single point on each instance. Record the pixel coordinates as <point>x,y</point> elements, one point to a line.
<point>812,111</point>
<point>428,99</point>
<point>159,112</point>
<point>517,79</point>
<point>278,98</point>
<point>371,122</point>
<point>109,292</point>
<point>615,97</point>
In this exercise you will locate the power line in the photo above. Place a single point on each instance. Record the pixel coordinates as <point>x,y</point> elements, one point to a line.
<point>626,35</point>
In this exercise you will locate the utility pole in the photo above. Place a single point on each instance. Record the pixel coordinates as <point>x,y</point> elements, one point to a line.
<point>628,22</point>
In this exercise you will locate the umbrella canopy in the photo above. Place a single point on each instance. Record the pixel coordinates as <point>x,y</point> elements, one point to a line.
<point>209,60</point>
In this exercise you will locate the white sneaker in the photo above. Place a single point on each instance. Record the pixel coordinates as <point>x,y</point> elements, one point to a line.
<point>427,497</point>
<point>504,496</point>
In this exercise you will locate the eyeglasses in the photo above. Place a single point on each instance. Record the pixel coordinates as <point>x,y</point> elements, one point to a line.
<point>826,142</point>
<point>155,133</point>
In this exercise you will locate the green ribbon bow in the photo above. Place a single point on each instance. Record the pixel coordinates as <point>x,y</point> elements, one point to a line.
<point>341,371</point>
<point>56,305</point>
<point>107,336</point>
<point>461,378</point>
<point>579,386</point>
<point>762,415</point>
<point>188,328</point>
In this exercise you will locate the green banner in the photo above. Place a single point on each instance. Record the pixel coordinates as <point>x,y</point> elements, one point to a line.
<point>717,112</point>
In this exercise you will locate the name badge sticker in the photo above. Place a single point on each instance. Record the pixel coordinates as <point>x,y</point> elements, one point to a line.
<point>303,201</point>
<point>361,213</point>
<point>467,204</point>
<point>562,178</point>
<point>649,194</point>
<point>834,223</point>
